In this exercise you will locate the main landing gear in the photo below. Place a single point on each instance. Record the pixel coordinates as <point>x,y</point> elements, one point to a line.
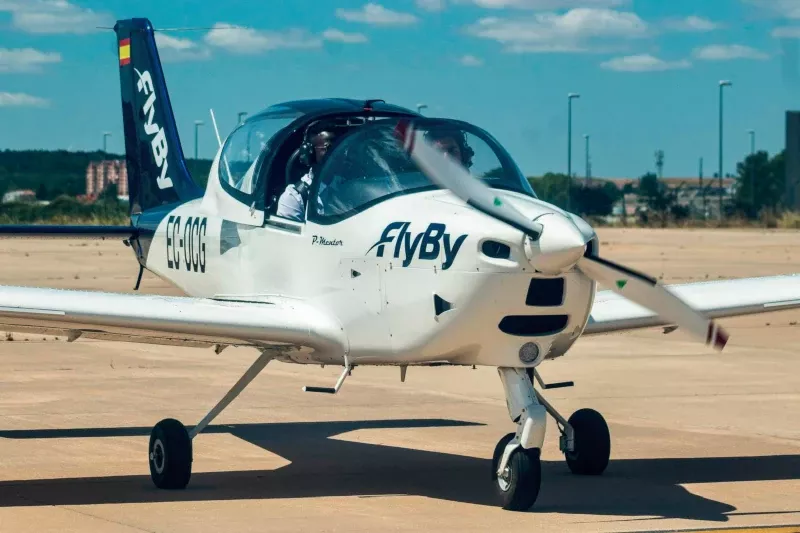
<point>516,462</point>
<point>171,443</point>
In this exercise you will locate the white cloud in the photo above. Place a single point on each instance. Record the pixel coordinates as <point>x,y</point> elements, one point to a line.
<point>177,49</point>
<point>470,61</point>
<point>339,36</point>
<point>377,15</point>
<point>431,5</point>
<point>551,32</point>
<point>540,5</point>
<point>21,100</point>
<point>725,52</point>
<point>243,40</point>
<point>691,23</point>
<point>786,32</point>
<point>53,16</point>
<point>26,59</point>
<point>643,63</point>
<point>545,4</point>
<point>785,8</point>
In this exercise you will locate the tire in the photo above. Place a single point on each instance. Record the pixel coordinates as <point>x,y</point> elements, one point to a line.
<point>592,443</point>
<point>520,489</point>
<point>170,455</point>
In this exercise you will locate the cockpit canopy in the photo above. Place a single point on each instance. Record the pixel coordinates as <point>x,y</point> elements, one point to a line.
<point>363,166</point>
<point>246,147</point>
<point>369,166</point>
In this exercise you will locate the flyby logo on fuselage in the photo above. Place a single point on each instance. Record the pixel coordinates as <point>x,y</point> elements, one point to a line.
<point>426,246</point>
<point>159,140</point>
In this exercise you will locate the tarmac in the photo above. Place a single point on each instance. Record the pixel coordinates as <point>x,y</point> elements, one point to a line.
<point>700,440</point>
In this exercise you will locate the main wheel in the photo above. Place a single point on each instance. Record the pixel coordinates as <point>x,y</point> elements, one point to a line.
<point>592,443</point>
<point>518,485</point>
<point>170,455</point>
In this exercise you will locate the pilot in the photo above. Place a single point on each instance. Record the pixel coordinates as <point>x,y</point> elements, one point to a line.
<point>292,203</point>
<point>453,142</point>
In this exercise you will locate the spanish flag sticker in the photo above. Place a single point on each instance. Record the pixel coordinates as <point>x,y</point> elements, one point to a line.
<point>124,52</point>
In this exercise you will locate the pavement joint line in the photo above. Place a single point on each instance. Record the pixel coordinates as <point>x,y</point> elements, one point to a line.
<point>82,513</point>
<point>742,529</point>
<point>104,519</point>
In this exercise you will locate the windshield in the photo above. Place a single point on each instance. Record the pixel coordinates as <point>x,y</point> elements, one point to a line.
<point>369,166</point>
<point>237,166</point>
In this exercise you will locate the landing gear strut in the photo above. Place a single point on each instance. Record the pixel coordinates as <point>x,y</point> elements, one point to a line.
<point>516,462</point>
<point>170,450</point>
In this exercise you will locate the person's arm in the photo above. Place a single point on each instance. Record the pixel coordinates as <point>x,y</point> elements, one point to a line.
<point>291,205</point>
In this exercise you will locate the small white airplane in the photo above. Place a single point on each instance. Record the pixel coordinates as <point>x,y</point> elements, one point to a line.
<point>406,256</point>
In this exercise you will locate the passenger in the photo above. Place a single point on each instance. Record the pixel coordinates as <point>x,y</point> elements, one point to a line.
<point>453,142</point>
<point>292,203</point>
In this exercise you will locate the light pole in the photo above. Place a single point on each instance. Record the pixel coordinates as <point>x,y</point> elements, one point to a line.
<point>588,161</point>
<point>106,135</point>
<point>752,141</point>
<point>197,124</point>
<point>241,115</point>
<point>570,97</point>
<point>420,107</point>
<point>722,85</point>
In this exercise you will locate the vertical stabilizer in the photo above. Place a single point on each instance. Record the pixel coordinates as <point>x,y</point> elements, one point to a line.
<point>157,172</point>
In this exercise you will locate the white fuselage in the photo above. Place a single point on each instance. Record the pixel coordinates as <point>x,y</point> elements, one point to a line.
<point>378,273</point>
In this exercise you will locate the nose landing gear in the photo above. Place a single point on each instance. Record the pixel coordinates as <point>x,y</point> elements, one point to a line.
<point>516,462</point>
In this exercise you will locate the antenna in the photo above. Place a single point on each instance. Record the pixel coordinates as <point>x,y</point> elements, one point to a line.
<point>219,141</point>
<point>216,130</point>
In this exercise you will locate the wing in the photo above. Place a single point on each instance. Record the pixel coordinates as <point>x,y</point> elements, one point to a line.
<point>716,299</point>
<point>152,319</point>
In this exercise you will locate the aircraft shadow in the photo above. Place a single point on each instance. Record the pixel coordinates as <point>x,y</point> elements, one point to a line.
<point>322,466</point>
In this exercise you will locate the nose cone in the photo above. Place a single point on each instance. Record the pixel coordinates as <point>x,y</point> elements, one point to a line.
<point>558,248</point>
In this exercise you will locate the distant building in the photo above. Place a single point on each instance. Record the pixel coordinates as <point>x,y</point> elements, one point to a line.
<point>690,195</point>
<point>99,174</point>
<point>711,184</point>
<point>24,195</point>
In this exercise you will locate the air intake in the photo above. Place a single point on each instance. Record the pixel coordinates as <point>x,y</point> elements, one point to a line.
<point>546,292</point>
<point>533,326</point>
<point>496,250</point>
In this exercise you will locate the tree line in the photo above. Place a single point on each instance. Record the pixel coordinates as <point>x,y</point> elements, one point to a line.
<point>52,174</point>
<point>758,192</point>
<point>60,176</point>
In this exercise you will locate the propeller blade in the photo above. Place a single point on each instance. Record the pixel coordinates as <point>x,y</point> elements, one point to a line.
<point>450,175</point>
<point>646,292</point>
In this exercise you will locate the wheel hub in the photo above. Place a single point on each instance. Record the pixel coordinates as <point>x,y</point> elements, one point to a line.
<point>157,456</point>
<point>504,479</point>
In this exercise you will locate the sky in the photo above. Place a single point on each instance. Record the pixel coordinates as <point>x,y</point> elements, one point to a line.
<point>648,72</point>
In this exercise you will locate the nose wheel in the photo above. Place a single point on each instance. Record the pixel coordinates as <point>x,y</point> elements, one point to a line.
<point>517,485</point>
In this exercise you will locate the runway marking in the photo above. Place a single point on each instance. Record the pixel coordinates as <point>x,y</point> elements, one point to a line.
<point>743,529</point>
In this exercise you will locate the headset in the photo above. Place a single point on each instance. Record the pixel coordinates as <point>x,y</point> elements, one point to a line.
<point>458,135</point>
<point>308,155</point>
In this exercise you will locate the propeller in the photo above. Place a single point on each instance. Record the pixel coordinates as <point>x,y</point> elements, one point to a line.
<point>554,243</point>
<point>450,175</point>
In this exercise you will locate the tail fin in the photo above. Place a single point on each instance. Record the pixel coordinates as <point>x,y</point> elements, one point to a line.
<point>157,172</point>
